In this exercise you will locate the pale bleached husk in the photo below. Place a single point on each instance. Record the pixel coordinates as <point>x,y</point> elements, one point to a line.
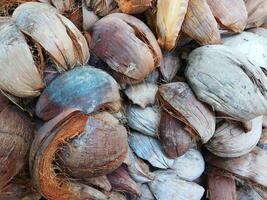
<point>19,75</point>
<point>167,185</point>
<point>251,45</point>
<point>145,120</point>
<point>170,65</point>
<point>256,12</point>
<point>189,166</point>
<point>230,140</point>
<point>138,169</point>
<point>149,149</point>
<point>142,94</point>
<point>250,167</point>
<point>231,14</point>
<point>55,33</point>
<point>167,18</point>
<point>146,194</point>
<point>228,82</point>
<point>200,24</point>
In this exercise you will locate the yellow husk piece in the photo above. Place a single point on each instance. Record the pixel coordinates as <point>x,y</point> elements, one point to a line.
<point>168,21</point>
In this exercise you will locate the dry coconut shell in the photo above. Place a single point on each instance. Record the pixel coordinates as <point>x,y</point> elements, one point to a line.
<point>55,33</point>
<point>16,132</point>
<point>231,14</point>
<point>175,140</point>
<point>230,140</point>
<point>167,185</point>
<point>166,18</point>
<point>20,76</point>
<point>127,45</point>
<point>145,120</point>
<point>149,149</point>
<point>250,167</point>
<point>179,100</point>
<point>246,42</point>
<point>221,187</point>
<point>79,145</point>
<point>256,12</point>
<point>133,6</point>
<point>228,82</point>
<point>170,65</point>
<point>85,88</point>
<point>200,24</point>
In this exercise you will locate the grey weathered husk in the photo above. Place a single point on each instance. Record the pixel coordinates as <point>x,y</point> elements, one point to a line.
<point>142,94</point>
<point>263,140</point>
<point>167,185</point>
<point>250,167</point>
<point>116,196</point>
<point>256,12</point>
<point>189,166</point>
<point>145,120</point>
<point>230,14</point>
<point>251,45</point>
<point>230,140</point>
<point>228,82</point>
<point>175,140</point>
<point>146,194</point>
<point>179,100</point>
<point>55,33</point>
<point>149,149</point>
<point>89,18</point>
<point>138,169</point>
<point>170,65</point>
<point>20,76</point>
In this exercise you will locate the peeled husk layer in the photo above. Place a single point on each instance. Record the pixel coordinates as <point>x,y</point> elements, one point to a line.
<point>200,24</point>
<point>19,76</point>
<point>179,100</point>
<point>256,12</point>
<point>134,6</point>
<point>55,33</point>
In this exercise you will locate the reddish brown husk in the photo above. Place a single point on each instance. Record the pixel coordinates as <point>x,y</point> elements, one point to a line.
<point>15,138</point>
<point>174,139</point>
<point>127,45</point>
<point>221,187</point>
<point>19,189</point>
<point>121,181</point>
<point>50,139</point>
